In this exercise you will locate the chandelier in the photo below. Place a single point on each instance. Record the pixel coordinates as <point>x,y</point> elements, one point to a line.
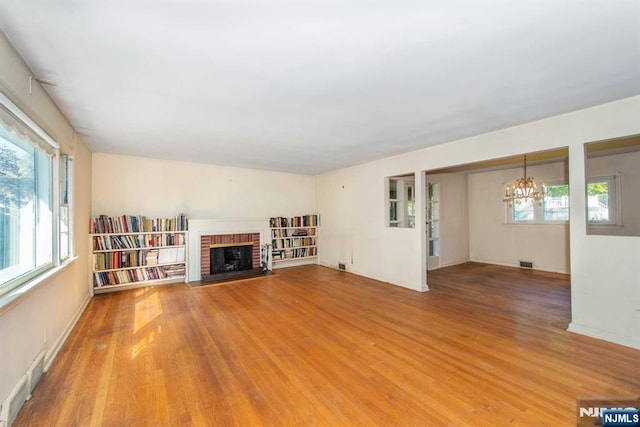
<point>524,189</point>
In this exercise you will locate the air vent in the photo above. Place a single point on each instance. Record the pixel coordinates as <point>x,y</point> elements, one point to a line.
<point>526,264</point>
<point>342,266</point>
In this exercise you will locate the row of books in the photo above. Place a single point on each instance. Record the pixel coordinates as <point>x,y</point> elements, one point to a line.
<point>136,224</point>
<point>178,270</point>
<point>136,275</point>
<point>127,259</point>
<point>292,232</point>
<point>286,254</point>
<point>293,243</point>
<point>137,241</point>
<point>296,221</point>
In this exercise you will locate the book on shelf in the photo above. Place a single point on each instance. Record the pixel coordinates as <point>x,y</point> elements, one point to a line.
<point>133,248</point>
<point>152,257</point>
<point>296,221</point>
<point>104,224</point>
<point>121,277</point>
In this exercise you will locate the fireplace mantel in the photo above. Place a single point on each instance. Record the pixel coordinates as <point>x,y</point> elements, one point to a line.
<point>204,227</point>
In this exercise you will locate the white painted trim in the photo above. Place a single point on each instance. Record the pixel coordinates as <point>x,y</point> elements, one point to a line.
<point>26,120</point>
<point>205,227</point>
<point>10,298</point>
<point>53,351</point>
<point>535,266</point>
<point>629,341</point>
<point>293,262</point>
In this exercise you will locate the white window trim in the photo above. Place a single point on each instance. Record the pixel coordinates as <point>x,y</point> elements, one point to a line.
<point>538,208</point>
<point>33,277</point>
<point>70,190</point>
<point>614,201</point>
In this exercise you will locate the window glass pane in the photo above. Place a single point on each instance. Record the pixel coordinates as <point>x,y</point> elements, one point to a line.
<point>434,247</point>
<point>17,206</point>
<point>556,204</point>
<point>434,229</point>
<point>44,228</point>
<point>393,211</point>
<point>65,245</point>
<point>411,214</point>
<point>523,210</point>
<point>64,232</point>
<point>393,189</point>
<point>598,201</point>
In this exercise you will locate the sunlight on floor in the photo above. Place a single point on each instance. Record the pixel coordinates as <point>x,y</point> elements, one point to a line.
<point>146,311</point>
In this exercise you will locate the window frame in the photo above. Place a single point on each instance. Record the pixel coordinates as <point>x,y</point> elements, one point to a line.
<point>614,201</point>
<point>49,145</point>
<point>66,201</point>
<point>538,210</point>
<point>400,201</point>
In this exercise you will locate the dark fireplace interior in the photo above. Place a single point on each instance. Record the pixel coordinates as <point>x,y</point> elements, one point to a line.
<point>231,258</point>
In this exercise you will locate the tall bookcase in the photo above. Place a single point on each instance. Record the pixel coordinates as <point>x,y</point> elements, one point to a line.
<point>134,251</point>
<point>294,240</point>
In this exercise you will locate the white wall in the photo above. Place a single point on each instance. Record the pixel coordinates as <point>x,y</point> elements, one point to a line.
<point>39,319</point>
<point>454,217</point>
<point>605,269</point>
<point>152,187</point>
<point>494,241</point>
<point>627,168</point>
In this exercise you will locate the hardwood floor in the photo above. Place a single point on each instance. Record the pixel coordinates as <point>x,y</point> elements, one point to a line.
<point>314,346</point>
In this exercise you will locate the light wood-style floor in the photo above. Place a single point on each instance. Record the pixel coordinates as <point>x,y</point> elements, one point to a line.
<point>314,346</point>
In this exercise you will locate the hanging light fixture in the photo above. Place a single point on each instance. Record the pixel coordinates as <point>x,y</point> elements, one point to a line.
<point>523,189</point>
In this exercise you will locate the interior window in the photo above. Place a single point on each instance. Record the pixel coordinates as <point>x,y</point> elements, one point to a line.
<point>400,201</point>
<point>612,180</point>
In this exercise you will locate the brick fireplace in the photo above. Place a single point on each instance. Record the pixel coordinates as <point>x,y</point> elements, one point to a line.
<point>244,230</point>
<point>228,241</point>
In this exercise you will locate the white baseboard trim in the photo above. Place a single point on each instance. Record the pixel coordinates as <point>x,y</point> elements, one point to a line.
<point>627,341</point>
<point>451,263</point>
<point>55,348</point>
<point>535,267</point>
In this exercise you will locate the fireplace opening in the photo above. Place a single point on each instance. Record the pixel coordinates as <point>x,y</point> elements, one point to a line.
<point>225,258</point>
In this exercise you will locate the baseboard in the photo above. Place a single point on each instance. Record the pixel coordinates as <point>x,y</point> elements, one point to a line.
<point>627,341</point>
<point>535,267</point>
<point>358,273</point>
<point>55,348</point>
<point>293,263</point>
<point>452,263</point>
<point>21,392</point>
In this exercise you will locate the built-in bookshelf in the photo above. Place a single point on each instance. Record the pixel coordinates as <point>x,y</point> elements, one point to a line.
<point>134,251</point>
<point>294,239</point>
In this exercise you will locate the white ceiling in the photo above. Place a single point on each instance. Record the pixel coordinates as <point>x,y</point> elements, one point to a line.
<point>311,86</point>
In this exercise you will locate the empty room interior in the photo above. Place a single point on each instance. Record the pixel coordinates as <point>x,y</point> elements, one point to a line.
<point>319,213</point>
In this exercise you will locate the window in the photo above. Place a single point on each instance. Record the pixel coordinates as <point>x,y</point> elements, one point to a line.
<point>601,200</point>
<point>554,208</point>
<point>612,199</point>
<point>400,195</point>
<point>66,249</point>
<point>28,245</point>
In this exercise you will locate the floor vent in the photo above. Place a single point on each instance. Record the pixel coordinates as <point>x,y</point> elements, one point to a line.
<point>526,264</point>
<point>14,402</point>
<point>342,266</point>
